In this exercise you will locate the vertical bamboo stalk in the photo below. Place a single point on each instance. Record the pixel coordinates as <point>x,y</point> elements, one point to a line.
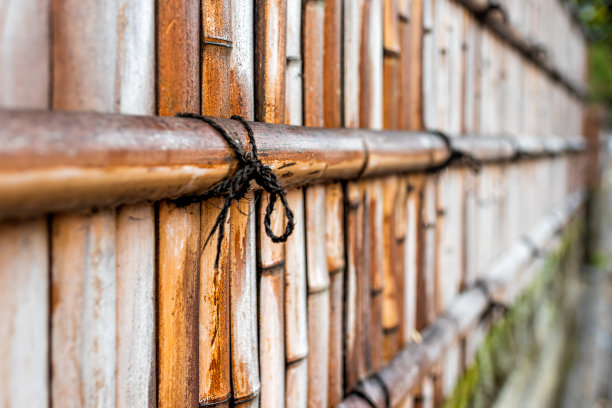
<point>296,336</point>
<point>178,267</point>
<point>24,54</point>
<point>214,308</point>
<point>243,222</point>
<point>318,297</point>
<point>371,66</point>
<point>84,55</point>
<point>373,247</point>
<point>429,68</point>
<point>332,63</point>
<point>136,379</point>
<point>24,246</point>
<point>351,61</point>
<point>270,59</point>
<point>334,237</point>
<point>391,310</point>
<point>312,45</point>
<point>24,311</point>
<point>391,65</point>
<point>135,90</point>
<point>427,296</point>
<point>412,248</point>
<point>412,68</point>
<point>354,350</point>
<point>399,266</point>
<point>271,312</point>
<point>84,318</point>
<point>178,90</point>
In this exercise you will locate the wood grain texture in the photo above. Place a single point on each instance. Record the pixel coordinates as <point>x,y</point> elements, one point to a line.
<point>318,297</point>
<point>136,374</point>
<point>85,39</point>
<point>178,271</point>
<point>313,46</point>
<point>216,53</point>
<point>412,257</point>
<point>24,311</point>
<point>25,65</point>
<point>83,307</point>
<point>241,60</point>
<point>178,56</point>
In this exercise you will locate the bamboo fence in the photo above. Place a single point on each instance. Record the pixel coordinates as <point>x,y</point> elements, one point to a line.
<point>108,297</point>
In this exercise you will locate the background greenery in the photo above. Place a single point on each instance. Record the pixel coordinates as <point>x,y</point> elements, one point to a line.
<point>596,16</point>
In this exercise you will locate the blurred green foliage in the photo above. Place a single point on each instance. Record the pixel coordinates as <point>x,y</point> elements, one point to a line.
<point>596,16</point>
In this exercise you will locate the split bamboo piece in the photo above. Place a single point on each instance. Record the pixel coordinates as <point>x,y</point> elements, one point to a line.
<point>83,325</point>
<point>136,321</point>
<point>270,62</point>
<point>351,56</point>
<point>214,301</point>
<point>334,238</point>
<point>178,90</point>
<point>391,64</point>
<point>318,297</point>
<point>391,267</point>
<point>83,246</point>
<point>24,245</point>
<point>354,341</point>
<point>24,291</point>
<point>371,67</point>
<point>373,264</point>
<point>332,63</point>
<point>296,335</point>
<point>178,281</point>
<point>296,329</point>
<point>243,224</point>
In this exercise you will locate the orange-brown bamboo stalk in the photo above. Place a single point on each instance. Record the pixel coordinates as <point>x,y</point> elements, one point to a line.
<point>334,237</point>
<point>332,63</point>
<point>391,64</point>
<point>178,90</point>
<point>214,301</point>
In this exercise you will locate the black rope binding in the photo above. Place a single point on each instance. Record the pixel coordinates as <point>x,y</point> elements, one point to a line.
<point>235,187</point>
<point>385,390</point>
<point>456,156</point>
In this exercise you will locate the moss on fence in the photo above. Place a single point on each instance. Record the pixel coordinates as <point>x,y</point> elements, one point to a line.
<point>516,342</point>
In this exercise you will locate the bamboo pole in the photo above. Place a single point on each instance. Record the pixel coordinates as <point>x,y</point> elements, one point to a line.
<point>83,246</point>
<point>178,90</point>
<point>243,223</point>
<point>24,278</point>
<point>334,237</point>
<point>214,294</point>
<point>136,321</point>
<point>332,63</point>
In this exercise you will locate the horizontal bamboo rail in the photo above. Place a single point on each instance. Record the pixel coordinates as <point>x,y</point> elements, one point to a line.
<point>65,161</point>
<point>492,14</point>
<point>410,365</point>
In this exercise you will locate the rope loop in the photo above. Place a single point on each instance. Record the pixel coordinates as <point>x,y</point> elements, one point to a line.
<point>235,187</point>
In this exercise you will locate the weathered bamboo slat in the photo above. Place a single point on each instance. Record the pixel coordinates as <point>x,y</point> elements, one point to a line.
<point>24,284</point>
<point>178,90</point>
<point>24,246</point>
<point>334,239</point>
<point>332,63</point>
<point>83,325</point>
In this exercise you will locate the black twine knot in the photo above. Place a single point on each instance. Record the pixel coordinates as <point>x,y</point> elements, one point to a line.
<point>456,156</point>
<point>235,187</point>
